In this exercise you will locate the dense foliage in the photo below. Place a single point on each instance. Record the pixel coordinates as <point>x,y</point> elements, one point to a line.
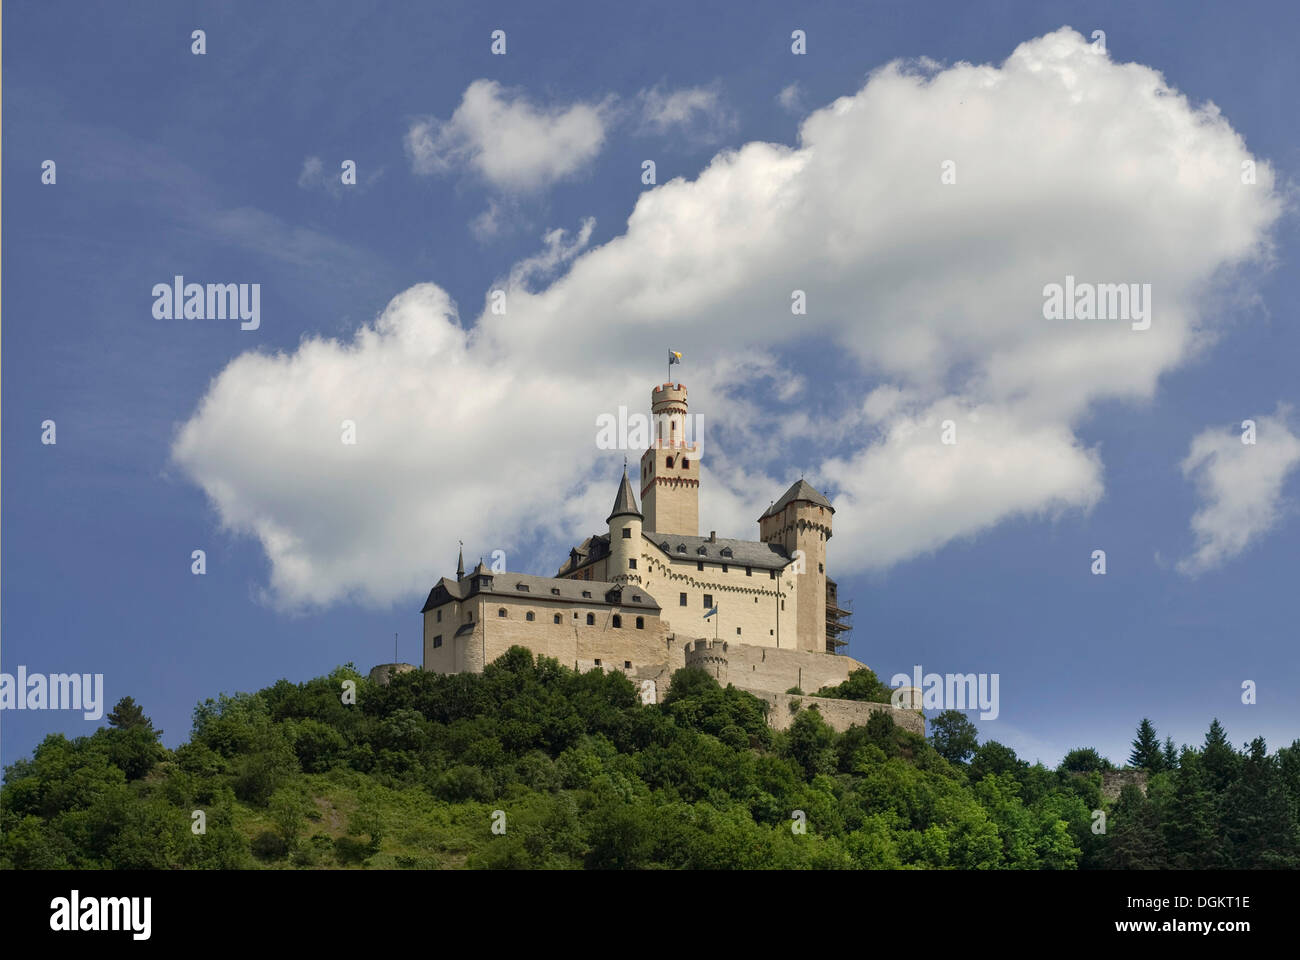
<point>531,764</point>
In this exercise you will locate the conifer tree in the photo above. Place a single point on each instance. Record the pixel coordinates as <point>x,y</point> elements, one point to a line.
<point>1146,753</point>
<point>1171,754</point>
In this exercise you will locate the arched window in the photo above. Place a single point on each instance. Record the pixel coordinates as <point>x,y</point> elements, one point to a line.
<point>618,621</point>
<point>640,623</point>
<point>501,612</point>
<point>670,463</point>
<point>557,618</point>
<point>529,616</point>
<point>591,619</point>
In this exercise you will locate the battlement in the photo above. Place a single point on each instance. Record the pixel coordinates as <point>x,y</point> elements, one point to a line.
<point>666,395</point>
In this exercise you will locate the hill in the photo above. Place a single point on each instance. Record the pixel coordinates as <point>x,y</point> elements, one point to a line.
<point>532,765</point>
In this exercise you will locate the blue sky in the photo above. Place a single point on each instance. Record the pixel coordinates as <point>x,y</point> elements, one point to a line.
<point>170,163</point>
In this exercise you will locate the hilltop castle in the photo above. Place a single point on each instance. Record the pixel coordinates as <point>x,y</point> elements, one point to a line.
<point>635,598</point>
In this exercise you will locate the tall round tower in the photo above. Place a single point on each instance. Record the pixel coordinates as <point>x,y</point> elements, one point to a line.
<point>624,536</point>
<point>670,469</point>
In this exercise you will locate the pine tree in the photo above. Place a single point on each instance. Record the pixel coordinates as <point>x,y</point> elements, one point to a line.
<point>1221,760</point>
<point>1146,753</point>
<point>1171,754</point>
<point>1135,841</point>
<point>1191,829</point>
<point>1258,821</point>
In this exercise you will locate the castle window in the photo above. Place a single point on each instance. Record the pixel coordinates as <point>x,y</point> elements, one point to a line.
<point>708,601</point>
<point>555,590</point>
<point>664,546</point>
<point>598,663</point>
<point>782,604</point>
<point>618,622</point>
<point>820,568</point>
<point>529,616</point>
<point>686,464</point>
<point>749,571</point>
<point>738,631</point>
<point>631,564</point>
<point>640,625</point>
<point>469,616</point>
<point>681,548</point>
<point>756,599</point>
<point>700,550</point>
<point>627,664</point>
<point>724,568</point>
<point>522,587</point>
<point>627,533</point>
<point>669,464</point>
<point>726,551</point>
<point>587,594</point>
<point>771,633</point>
<point>437,641</point>
<point>636,598</point>
<point>439,616</point>
<point>501,611</point>
<point>681,599</point>
<point>591,619</point>
<point>771,574</point>
<point>699,564</point>
<point>557,618</point>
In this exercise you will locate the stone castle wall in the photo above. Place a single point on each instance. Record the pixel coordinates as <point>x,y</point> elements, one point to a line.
<point>767,669</point>
<point>838,714</point>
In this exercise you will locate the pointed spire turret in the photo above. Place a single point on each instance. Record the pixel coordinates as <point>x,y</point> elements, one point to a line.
<point>460,561</point>
<point>625,502</point>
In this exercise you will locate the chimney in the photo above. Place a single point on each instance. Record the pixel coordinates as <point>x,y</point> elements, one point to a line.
<point>713,536</point>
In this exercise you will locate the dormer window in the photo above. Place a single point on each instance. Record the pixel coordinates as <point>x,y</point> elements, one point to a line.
<point>555,591</point>
<point>701,550</point>
<point>587,594</point>
<point>665,548</point>
<point>636,598</point>
<point>681,548</point>
<point>726,551</point>
<point>522,586</point>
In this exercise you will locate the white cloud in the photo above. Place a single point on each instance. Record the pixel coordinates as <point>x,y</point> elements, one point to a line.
<point>1067,163</point>
<point>313,173</point>
<point>698,112</point>
<point>791,98</point>
<point>510,142</point>
<point>1240,485</point>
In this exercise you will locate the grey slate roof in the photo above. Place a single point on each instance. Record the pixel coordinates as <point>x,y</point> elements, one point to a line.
<point>744,553</point>
<point>625,502</point>
<point>801,489</point>
<point>539,588</point>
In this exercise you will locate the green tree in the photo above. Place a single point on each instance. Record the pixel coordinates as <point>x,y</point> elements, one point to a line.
<point>1147,754</point>
<point>954,736</point>
<point>1085,760</point>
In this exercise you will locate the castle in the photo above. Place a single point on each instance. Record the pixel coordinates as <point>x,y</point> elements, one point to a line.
<point>650,595</point>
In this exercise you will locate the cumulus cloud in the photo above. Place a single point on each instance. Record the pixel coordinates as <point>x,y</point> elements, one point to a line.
<point>697,112</point>
<point>1240,486</point>
<point>512,143</point>
<point>927,296</point>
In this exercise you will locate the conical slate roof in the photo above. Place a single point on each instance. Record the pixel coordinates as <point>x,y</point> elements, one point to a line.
<point>800,490</point>
<point>625,502</point>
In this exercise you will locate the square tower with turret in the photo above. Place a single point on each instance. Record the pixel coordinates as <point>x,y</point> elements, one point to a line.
<point>670,468</point>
